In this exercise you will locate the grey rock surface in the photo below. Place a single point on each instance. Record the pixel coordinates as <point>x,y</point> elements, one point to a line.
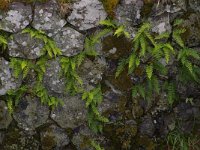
<point>24,46</point>
<point>7,81</point>
<point>30,113</point>
<point>54,137</point>
<point>16,18</point>
<point>72,114</point>
<point>69,41</point>
<point>47,18</point>
<point>5,117</point>
<point>86,14</point>
<point>147,127</point>
<point>52,78</point>
<point>195,5</point>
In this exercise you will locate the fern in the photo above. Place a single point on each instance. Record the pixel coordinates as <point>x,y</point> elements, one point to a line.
<point>171,93</point>
<point>120,67</point>
<point>149,70</point>
<point>3,42</point>
<point>93,98</point>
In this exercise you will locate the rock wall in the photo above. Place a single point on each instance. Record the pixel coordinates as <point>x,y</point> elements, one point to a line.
<point>132,125</point>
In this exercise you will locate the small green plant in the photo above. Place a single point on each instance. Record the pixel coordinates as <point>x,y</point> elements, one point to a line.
<point>50,46</point>
<point>93,98</point>
<point>3,41</point>
<point>96,145</point>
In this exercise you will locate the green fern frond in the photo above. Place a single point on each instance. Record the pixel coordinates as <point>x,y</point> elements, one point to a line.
<point>178,22</point>
<point>171,94</point>
<point>149,70</point>
<point>164,35</point>
<point>108,23</point>
<point>120,67</point>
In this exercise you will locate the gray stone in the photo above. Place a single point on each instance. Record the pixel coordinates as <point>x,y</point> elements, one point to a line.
<point>7,81</point>
<point>16,18</point>
<point>69,41</point>
<point>5,117</point>
<point>86,14</point>
<point>53,137</point>
<point>52,78</point>
<point>147,127</point>
<point>30,113</point>
<point>72,114</point>
<point>47,18</point>
<point>128,12</point>
<point>17,139</point>
<point>24,46</point>
<point>195,5</point>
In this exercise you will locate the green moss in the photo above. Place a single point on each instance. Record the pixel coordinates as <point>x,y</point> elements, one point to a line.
<point>109,6</point>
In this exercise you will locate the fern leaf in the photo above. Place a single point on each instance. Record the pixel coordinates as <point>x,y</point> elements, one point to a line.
<point>149,71</point>
<point>120,67</point>
<point>164,35</point>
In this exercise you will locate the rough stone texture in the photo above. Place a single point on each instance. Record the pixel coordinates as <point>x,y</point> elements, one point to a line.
<point>92,72</point>
<point>72,114</point>
<point>54,137</point>
<point>7,81</point>
<point>5,117</point>
<point>86,14</point>
<point>192,25</point>
<point>147,126</point>
<point>47,18</point>
<point>128,13</point>
<point>195,5</point>
<point>24,46</point>
<point>52,80</point>
<point>69,41</point>
<point>17,139</point>
<point>17,18</point>
<point>30,113</point>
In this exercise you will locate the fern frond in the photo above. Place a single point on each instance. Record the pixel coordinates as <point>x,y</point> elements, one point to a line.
<point>120,67</point>
<point>149,70</point>
<point>108,23</point>
<point>164,35</point>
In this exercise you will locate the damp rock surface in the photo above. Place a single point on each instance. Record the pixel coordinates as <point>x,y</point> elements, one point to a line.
<point>7,81</point>
<point>47,18</point>
<point>16,18</point>
<point>86,14</point>
<point>54,137</point>
<point>30,113</point>
<point>5,117</point>
<point>72,114</point>
<point>69,41</point>
<point>24,46</point>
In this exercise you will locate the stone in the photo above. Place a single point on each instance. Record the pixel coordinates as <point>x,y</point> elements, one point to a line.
<point>17,139</point>
<point>54,137</point>
<point>7,81</point>
<point>24,46</point>
<point>86,14</point>
<point>72,114</point>
<point>69,41</point>
<point>5,116</point>
<point>192,24</point>
<point>48,18</point>
<point>30,113</point>
<point>147,127</point>
<point>52,77</point>
<point>16,18</point>
<point>195,5</point>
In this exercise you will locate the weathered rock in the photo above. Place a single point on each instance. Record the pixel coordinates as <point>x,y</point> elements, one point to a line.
<point>128,13</point>
<point>16,18</point>
<point>91,72</point>
<point>47,18</point>
<point>53,137</point>
<point>52,80</point>
<point>147,127</point>
<point>86,14</point>
<point>5,117</point>
<point>69,41</point>
<point>16,139</point>
<point>30,113</point>
<point>7,81</point>
<point>195,5</point>
<point>192,25</point>
<point>24,46</point>
<point>72,114</point>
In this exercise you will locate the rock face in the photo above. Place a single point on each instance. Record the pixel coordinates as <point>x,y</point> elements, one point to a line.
<point>72,114</point>
<point>69,41</point>
<point>54,137</point>
<point>17,18</point>
<point>24,46</point>
<point>47,18</point>
<point>195,5</point>
<point>30,113</point>
<point>5,117</point>
<point>7,81</point>
<point>52,80</point>
<point>147,126</point>
<point>86,14</point>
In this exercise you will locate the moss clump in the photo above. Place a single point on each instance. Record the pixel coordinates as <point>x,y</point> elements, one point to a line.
<point>110,6</point>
